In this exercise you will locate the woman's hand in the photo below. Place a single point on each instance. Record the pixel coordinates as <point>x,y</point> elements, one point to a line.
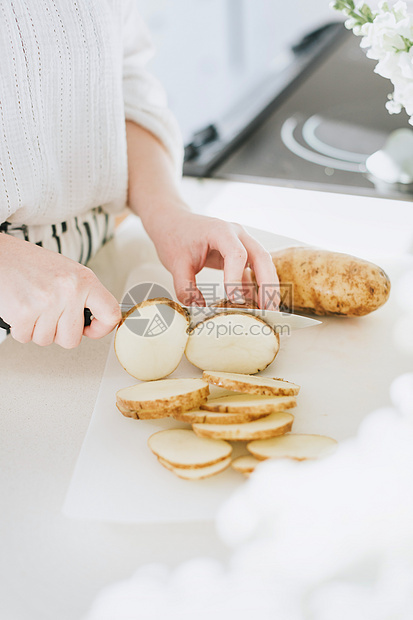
<point>187,242</point>
<point>43,296</point>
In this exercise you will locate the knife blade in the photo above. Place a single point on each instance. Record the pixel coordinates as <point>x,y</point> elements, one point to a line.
<point>280,321</point>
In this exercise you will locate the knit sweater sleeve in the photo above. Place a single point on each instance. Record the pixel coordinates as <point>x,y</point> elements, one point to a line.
<point>144,98</point>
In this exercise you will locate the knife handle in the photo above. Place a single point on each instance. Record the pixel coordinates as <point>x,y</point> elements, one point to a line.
<point>86,312</point>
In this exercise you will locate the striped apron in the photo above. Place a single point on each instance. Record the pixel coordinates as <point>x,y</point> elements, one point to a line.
<point>78,238</point>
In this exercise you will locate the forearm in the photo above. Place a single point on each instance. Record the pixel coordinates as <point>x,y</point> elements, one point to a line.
<point>153,186</point>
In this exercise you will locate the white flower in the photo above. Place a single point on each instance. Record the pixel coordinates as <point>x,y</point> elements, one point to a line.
<point>405,63</point>
<point>403,94</point>
<point>399,9</point>
<point>393,107</point>
<point>350,23</point>
<point>383,35</point>
<point>388,66</point>
<point>389,40</point>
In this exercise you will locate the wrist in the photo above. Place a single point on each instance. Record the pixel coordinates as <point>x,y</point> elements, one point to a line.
<point>157,214</point>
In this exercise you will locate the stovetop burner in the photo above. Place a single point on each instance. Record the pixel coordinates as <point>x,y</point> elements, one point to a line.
<point>322,133</point>
<point>332,144</point>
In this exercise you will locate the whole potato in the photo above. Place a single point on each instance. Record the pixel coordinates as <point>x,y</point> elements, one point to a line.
<point>329,283</point>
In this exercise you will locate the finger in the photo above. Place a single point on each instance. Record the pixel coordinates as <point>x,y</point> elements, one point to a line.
<point>105,310</point>
<point>69,329</point>
<point>21,327</point>
<point>45,329</point>
<point>265,273</point>
<point>235,259</point>
<point>214,260</point>
<point>249,287</point>
<point>185,286</point>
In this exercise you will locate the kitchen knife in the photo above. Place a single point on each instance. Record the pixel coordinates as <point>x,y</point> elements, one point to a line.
<point>282,322</point>
<point>87,314</point>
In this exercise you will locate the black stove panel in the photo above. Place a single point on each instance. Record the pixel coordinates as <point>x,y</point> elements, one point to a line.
<point>323,131</point>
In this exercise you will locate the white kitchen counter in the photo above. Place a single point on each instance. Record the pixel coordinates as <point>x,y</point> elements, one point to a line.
<point>51,566</point>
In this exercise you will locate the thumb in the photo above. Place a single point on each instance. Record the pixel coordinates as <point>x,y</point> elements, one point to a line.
<point>105,310</point>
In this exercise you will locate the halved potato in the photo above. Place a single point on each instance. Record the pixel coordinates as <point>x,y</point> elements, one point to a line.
<point>205,417</point>
<point>151,338</point>
<point>238,382</point>
<point>183,448</point>
<point>198,473</point>
<point>232,342</point>
<point>164,395</point>
<point>245,464</point>
<point>270,426</point>
<point>293,446</point>
<point>249,403</point>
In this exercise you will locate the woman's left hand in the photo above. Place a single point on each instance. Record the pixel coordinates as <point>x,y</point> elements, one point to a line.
<point>187,242</point>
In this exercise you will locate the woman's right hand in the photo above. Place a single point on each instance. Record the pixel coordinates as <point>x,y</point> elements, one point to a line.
<point>43,296</point>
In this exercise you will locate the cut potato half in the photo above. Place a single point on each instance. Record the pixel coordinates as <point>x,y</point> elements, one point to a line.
<point>143,414</point>
<point>183,448</point>
<point>232,342</point>
<point>151,338</point>
<point>299,447</point>
<point>198,473</point>
<point>206,417</point>
<point>165,395</point>
<point>270,426</point>
<point>245,464</point>
<point>250,403</point>
<point>238,382</point>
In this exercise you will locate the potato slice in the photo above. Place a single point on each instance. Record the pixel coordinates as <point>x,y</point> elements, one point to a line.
<point>206,417</point>
<point>232,342</point>
<point>293,446</point>
<point>238,382</point>
<point>143,414</point>
<point>245,464</point>
<point>190,417</point>
<point>198,473</point>
<point>217,392</point>
<point>270,426</point>
<point>250,403</point>
<point>164,395</point>
<point>151,338</point>
<point>182,448</point>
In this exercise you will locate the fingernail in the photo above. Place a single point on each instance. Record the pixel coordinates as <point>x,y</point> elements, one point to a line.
<point>237,298</point>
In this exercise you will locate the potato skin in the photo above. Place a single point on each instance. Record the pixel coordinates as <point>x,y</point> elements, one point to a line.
<point>227,303</point>
<point>329,283</point>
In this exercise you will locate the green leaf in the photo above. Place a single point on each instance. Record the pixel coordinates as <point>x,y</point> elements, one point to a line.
<point>408,44</point>
<point>344,6</point>
<point>366,12</point>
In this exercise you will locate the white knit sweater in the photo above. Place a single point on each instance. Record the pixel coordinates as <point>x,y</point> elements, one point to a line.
<point>71,71</point>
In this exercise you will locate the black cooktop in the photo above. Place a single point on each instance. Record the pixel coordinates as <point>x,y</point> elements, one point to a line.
<point>318,130</point>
